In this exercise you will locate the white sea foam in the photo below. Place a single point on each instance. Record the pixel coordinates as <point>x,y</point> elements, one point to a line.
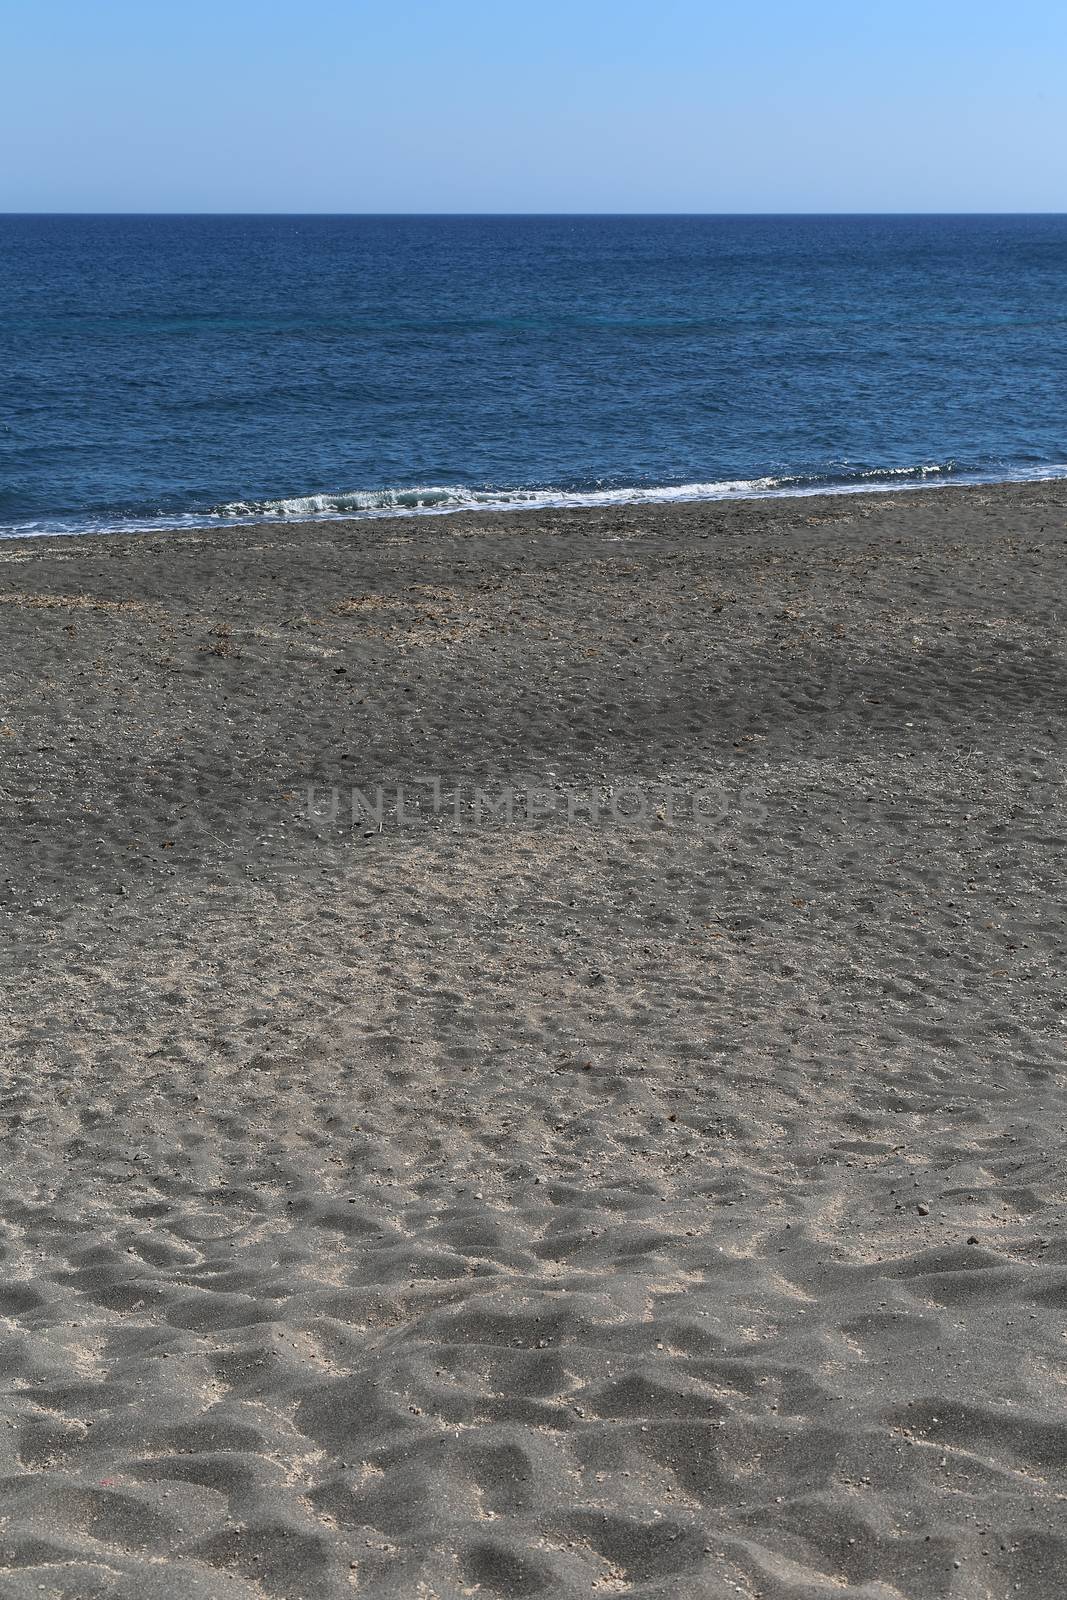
<point>438,499</point>
<point>441,499</point>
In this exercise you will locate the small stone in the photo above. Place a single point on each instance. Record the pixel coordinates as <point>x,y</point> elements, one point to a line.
<point>924,1211</point>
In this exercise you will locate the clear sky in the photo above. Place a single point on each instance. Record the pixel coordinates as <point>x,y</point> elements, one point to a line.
<point>555,105</point>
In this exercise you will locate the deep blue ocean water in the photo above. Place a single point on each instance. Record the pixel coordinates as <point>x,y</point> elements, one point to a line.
<point>156,371</point>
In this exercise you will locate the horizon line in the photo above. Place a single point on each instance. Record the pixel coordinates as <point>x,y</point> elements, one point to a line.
<point>529,214</point>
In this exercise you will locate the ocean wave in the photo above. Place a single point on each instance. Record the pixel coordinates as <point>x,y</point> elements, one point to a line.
<point>441,499</point>
<point>457,497</point>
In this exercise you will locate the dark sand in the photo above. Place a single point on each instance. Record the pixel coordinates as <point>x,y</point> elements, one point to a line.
<point>547,1207</point>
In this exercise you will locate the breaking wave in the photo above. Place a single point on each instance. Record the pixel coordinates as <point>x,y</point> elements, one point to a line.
<point>440,499</point>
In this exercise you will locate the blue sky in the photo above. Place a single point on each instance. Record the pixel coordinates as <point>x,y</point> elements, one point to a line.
<point>562,105</point>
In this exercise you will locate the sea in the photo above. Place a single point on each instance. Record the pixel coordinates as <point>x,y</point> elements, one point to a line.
<point>161,372</point>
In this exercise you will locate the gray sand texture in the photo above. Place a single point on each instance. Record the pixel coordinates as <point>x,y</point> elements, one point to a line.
<point>625,1157</point>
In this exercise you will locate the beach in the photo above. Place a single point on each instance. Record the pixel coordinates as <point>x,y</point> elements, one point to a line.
<point>533,1054</point>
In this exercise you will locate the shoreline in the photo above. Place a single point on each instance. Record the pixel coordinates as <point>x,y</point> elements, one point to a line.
<point>541,1199</point>
<point>537,501</point>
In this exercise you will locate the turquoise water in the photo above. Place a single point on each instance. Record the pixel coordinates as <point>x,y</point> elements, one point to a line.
<point>162,371</point>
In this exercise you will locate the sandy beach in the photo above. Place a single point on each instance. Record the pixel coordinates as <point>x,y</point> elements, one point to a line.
<point>533,1055</point>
